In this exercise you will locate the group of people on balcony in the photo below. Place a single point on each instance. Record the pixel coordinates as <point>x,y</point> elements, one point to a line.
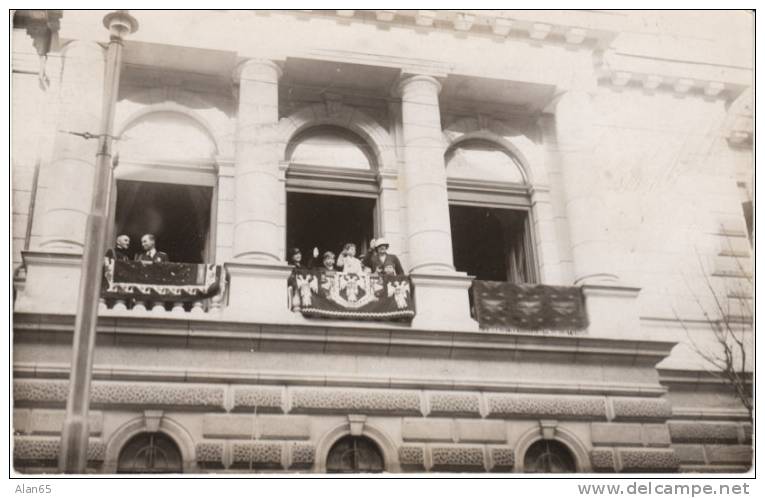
<point>150,254</point>
<point>376,261</point>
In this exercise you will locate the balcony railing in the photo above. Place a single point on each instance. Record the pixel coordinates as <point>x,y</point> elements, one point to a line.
<point>363,296</point>
<point>509,307</point>
<point>163,287</point>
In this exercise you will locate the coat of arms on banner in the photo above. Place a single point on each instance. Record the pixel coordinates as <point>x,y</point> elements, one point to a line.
<point>352,295</point>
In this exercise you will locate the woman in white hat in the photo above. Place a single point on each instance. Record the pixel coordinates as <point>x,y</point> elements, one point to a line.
<point>383,262</point>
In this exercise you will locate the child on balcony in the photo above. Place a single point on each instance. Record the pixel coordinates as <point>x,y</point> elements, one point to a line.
<point>347,260</point>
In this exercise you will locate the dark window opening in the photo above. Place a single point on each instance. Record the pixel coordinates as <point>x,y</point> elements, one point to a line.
<point>492,243</point>
<point>548,457</point>
<point>150,453</point>
<point>177,215</point>
<point>328,222</point>
<point>355,454</point>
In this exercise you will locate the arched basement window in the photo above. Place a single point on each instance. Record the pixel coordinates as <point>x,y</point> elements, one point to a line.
<point>150,453</point>
<point>490,213</point>
<point>550,457</point>
<point>332,190</point>
<point>355,454</point>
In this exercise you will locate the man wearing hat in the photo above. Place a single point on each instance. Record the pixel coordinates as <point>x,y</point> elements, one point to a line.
<point>383,262</point>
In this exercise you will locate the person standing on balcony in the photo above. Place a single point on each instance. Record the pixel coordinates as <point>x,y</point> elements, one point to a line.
<point>366,261</point>
<point>347,262</point>
<point>383,262</point>
<point>120,250</point>
<point>327,262</point>
<point>150,253</point>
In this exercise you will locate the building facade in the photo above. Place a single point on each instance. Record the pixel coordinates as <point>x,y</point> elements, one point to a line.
<point>605,152</point>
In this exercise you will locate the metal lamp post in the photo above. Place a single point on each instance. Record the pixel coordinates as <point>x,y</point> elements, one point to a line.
<point>74,437</point>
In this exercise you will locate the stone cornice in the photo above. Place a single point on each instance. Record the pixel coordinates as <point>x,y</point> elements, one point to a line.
<point>375,338</point>
<point>201,375</point>
<point>622,70</point>
<point>568,27</point>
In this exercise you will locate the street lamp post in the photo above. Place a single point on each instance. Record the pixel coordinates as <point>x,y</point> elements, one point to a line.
<point>74,437</point>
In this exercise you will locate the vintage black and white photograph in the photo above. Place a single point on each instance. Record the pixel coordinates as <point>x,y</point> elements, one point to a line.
<point>412,242</point>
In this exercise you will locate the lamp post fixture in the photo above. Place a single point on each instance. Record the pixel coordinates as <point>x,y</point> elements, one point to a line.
<point>74,436</point>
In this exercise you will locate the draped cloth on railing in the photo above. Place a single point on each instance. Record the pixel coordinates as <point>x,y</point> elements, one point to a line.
<point>177,282</point>
<point>528,307</point>
<point>354,296</point>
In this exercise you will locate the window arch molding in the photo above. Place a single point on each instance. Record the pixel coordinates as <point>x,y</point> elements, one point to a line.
<point>379,437</point>
<point>562,435</point>
<point>144,424</point>
<point>342,116</point>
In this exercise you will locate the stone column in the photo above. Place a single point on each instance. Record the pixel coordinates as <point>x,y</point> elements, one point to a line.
<point>441,293</point>
<point>68,181</point>
<point>258,273</point>
<point>612,305</point>
<point>428,235</point>
<point>256,210</point>
<point>585,208</point>
<point>65,186</point>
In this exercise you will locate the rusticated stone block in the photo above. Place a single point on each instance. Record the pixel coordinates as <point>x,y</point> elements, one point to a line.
<point>656,435</point>
<point>689,453</point>
<point>724,453</point>
<point>47,448</point>
<point>418,429</point>
<point>54,392</point>
<point>257,398</point>
<point>303,456</point>
<point>454,404</point>
<point>603,460</point>
<point>481,431</point>
<point>356,400</point>
<point>210,452</point>
<point>503,459</point>
<point>96,451</point>
<point>533,406</point>
<point>703,432</point>
<point>254,454</point>
<point>458,457</point>
<point>412,457</point>
<point>641,408</point>
<point>35,448</point>
<point>52,422</point>
<point>611,434</point>
<point>649,460</point>
<point>40,391</point>
<point>156,394</point>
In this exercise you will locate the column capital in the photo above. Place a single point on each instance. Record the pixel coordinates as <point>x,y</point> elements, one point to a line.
<point>408,81</point>
<point>253,68</point>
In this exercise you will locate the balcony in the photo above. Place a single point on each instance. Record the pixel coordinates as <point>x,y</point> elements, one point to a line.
<point>159,288</point>
<point>258,293</point>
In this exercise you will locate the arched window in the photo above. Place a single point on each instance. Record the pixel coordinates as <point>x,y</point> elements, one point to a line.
<point>548,456</point>
<point>332,190</point>
<point>165,184</point>
<point>150,453</point>
<point>355,454</point>
<point>490,213</point>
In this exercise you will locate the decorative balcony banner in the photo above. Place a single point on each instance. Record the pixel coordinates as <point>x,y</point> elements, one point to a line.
<point>529,307</point>
<point>354,296</point>
<point>160,281</point>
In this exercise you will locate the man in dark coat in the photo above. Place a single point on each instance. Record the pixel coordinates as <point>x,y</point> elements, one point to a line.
<point>120,250</point>
<point>383,262</point>
<point>150,253</point>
